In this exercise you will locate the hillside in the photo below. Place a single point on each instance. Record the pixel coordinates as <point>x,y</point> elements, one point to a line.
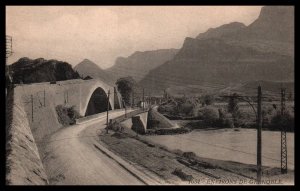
<point>89,68</point>
<point>26,70</point>
<point>224,56</point>
<point>268,87</point>
<point>139,64</point>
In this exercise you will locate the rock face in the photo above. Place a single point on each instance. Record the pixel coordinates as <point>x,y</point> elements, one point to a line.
<point>233,53</point>
<point>139,64</point>
<point>89,68</point>
<point>274,23</point>
<point>26,70</point>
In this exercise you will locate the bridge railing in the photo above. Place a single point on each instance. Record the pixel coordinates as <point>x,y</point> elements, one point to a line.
<point>117,119</point>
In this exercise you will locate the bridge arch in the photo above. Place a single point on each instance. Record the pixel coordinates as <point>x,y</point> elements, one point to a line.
<point>97,102</point>
<point>92,92</point>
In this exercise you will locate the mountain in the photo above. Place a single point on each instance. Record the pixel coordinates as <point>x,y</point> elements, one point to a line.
<point>272,31</point>
<point>219,32</point>
<point>88,68</point>
<point>232,53</point>
<point>26,70</point>
<point>139,63</point>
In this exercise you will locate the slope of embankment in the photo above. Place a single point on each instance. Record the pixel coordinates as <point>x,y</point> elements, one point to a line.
<point>23,163</point>
<point>32,119</point>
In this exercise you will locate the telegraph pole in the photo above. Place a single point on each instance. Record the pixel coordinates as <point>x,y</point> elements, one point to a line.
<point>149,99</point>
<point>8,47</point>
<point>259,127</point>
<point>258,114</point>
<point>107,111</point>
<point>283,136</point>
<point>143,99</point>
<point>132,102</point>
<point>44,98</point>
<point>125,108</point>
<point>31,107</point>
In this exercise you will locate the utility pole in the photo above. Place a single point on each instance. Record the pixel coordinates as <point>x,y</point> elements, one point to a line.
<point>44,98</point>
<point>80,97</point>
<point>125,108</point>
<point>283,136</point>
<point>107,111</point>
<point>31,107</point>
<point>143,99</point>
<point>132,102</point>
<point>65,98</point>
<point>259,127</point>
<point>8,47</point>
<point>149,99</point>
<point>258,114</point>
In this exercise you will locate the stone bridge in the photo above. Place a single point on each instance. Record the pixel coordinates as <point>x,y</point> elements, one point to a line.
<point>90,96</point>
<point>87,96</point>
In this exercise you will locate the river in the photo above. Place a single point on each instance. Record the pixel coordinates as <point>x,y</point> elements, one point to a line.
<point>227,144</point>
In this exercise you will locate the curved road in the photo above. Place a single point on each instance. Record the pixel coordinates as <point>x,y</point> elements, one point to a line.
<point>71,157</point>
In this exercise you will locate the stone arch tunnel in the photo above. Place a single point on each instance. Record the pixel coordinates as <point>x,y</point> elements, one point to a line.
<point>97,102</point>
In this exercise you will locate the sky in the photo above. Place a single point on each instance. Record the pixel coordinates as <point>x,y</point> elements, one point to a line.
<point>103,33</point>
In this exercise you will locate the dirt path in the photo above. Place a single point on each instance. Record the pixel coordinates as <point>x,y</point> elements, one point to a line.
<point>71,158</point>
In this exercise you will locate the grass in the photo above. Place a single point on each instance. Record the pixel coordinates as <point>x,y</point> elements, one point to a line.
<point>164,162</point>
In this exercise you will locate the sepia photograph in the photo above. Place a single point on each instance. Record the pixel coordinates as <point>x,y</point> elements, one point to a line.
<point>149,95</point>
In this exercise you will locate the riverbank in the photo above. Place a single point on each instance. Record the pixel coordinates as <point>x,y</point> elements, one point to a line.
<point>183,167</point>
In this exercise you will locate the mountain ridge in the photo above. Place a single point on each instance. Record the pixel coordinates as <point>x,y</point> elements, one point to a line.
<point>88,68</point>
<point>140,63</point>
<point>230,56</point>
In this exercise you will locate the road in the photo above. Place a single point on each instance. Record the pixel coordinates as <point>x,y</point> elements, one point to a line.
<point>72,159</point>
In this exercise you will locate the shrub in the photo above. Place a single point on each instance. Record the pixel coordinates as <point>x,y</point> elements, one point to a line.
<point>208,99</point>
<point>182,175</point>
<point>233,104</point>
<point>279,122</point>
<point>66,115</point>
<point>210,115</point>
<point>186,108</point>
<point>189,155</point>
<point>241,118</point>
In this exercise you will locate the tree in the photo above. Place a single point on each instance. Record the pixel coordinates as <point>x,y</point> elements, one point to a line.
<point>208,99</point>
<point>233,107</point>
<point>126,86</point>
<point>233,104</point>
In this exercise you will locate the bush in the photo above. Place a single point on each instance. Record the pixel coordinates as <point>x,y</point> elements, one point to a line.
<point>208,99</point>
<point>241,118</point>
<point>210,115</point>
<point>189,155</point>
<point>279,122</point>
<point>182,175</point>
<point>186,108</point>
<point>66,115</point>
